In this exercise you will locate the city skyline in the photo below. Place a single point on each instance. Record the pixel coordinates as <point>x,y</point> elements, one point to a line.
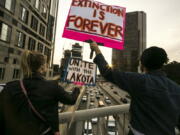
<point>162,30</point>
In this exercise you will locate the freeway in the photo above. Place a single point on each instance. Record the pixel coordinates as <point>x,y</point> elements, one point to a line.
<point>91,98</point>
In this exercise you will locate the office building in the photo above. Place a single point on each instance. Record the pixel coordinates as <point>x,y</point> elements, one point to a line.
<point>77,51</point>
<point>135,43</point>
<point>25,25</point>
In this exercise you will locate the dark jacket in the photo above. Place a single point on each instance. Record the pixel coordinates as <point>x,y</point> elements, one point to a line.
<point>155,104</point>
<point>16,117</point>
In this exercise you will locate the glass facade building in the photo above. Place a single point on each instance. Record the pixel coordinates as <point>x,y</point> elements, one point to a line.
<point>135,43</point>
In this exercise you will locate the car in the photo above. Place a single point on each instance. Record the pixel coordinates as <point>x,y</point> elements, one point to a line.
<point>97,97</point>
<point>100,103</point>
<point>106,98</point>
<point>91,104</point>
<point>87,128</point>
<point>111,126</point>
<point>91,94</point>
<point>108,101</point>
<point>2,86</point>
<point>94,120</point>
<point>128,96</point>
<point>115,92</point>
<point>124,100</point>
<point>87,92</point>
<point>61,107</point>
<point>84,98</point>
<point>96,92</point>
<point>92,99</point>
<point>101,93</point>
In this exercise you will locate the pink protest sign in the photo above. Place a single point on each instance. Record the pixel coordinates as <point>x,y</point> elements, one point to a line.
<point>102,23</point>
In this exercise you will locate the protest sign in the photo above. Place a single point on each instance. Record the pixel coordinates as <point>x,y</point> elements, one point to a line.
<point>79,71</point>
<point>88,19</point>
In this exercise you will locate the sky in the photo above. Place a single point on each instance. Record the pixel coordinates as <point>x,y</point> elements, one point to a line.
<point>163,26</point>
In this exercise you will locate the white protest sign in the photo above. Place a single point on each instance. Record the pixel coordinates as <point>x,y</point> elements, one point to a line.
<point>79,71</point>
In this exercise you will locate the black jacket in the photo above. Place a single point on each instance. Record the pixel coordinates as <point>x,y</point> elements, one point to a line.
<point>155,104</point>
<point>16,117</point>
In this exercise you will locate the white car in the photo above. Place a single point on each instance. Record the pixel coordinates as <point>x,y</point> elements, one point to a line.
<point>2,86</point>
<point>108,101</point>
<point>106,98</point>
<point>87,128</point>
<point>111,126</point>
<point>91,104</point>
<point>94,120</point>
<point>84,98</point>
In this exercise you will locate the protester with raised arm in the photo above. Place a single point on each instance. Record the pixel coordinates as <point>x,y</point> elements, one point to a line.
<point>155,99</point>
<point>30,106</point>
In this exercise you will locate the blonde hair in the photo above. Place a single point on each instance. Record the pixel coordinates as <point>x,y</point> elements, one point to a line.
<point>31,62</point>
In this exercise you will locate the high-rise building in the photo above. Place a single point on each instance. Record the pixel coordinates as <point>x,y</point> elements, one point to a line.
<point>25,25</point>
<point>135,43</point>
<point>76,51</point>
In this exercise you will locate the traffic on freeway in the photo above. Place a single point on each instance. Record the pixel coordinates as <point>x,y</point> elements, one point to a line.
<point>102,95</point>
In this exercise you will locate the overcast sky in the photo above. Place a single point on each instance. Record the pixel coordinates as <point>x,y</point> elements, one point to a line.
<point>163,26</point>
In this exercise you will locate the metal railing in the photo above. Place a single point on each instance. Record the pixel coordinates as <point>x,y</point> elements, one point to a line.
<point>121,112</point>
<point>95,112</point>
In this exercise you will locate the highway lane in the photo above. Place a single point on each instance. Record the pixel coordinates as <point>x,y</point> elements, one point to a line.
<point>102,91</point>
<point>121,120</point>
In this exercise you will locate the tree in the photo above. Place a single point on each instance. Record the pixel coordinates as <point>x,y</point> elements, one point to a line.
<point>172,70</point>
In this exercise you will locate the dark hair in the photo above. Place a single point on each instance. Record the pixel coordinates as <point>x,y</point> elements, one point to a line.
<point>31,62</point>
<point>154,58</point>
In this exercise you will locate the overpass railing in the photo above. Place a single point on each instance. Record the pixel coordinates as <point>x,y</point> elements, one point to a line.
<point>72,121</point>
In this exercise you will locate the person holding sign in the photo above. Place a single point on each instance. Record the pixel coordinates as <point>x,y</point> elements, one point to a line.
<point>155,99</point>
<point>30,106</point>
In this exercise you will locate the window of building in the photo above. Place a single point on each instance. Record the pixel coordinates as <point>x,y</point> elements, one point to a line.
<point>49,32</point>
<point>37,4</point>
<point>2,72</point>
<point>40,47</point>
<point>16,74</point>
<point>5,32</point>
<point>32,44</point>
<point>34,23</point>
<point>6,59</point>
<point>20,39</point>
<point>24,13</point>
<point>42,30</point>
<point>15,61</point>
<point>8,4</point>
<point>44,11</point>
<point>50,73</point>
<point>47,52</point>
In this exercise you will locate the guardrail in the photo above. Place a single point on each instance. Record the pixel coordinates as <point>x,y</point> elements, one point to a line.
<point>95,112</point>
<point>83,115</point>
